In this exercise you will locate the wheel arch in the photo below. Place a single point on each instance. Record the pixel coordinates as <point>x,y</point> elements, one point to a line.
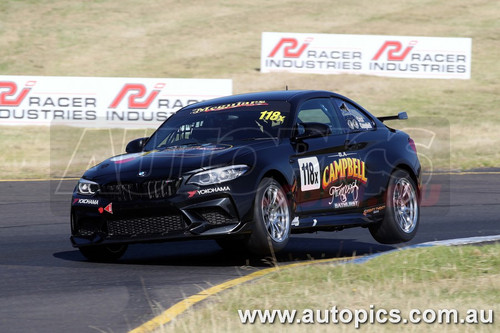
<point>262,240</point>
<point>389,230</point>
<point>412,174</point>
<point>287,186</point>
<point>278,176</point>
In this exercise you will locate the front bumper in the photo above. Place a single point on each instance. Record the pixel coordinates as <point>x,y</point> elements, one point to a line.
<point>115,219</point>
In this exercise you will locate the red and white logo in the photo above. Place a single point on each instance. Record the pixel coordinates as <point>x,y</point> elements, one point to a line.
<point>395,50</point>
<point>108,208</point>
<point>8,97</point>
<point>137,98</point>
<point>291,47</point>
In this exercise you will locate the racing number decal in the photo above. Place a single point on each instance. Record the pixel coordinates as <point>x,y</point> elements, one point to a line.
<point>309,174</point>
<point>272,115</point>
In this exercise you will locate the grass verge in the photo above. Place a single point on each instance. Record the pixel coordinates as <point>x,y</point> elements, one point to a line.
<point>461,278</point>
<point>221,39</point>
<point>59,151</point>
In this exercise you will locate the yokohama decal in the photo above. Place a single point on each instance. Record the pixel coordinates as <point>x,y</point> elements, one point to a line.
<point>92,202</point>
<point>210,190</point>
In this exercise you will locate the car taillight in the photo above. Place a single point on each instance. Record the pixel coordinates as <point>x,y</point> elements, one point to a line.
<point>412,145</point>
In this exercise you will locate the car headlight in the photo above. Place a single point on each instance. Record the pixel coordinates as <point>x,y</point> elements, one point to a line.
<point>87,187</point>
<point>219,175</point>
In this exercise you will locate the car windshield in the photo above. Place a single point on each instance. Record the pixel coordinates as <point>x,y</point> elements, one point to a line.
<point>251,120</point>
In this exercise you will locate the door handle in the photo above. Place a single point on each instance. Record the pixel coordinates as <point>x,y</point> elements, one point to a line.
<point>348,145</point>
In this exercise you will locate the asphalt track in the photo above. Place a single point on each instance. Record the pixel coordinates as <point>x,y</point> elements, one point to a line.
<point>47,286</point>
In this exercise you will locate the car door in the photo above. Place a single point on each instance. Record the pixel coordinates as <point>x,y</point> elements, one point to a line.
<point>312,155</point>
<point>365,148</point>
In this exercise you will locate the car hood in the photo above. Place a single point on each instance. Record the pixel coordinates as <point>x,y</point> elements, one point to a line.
<point>175,161</point>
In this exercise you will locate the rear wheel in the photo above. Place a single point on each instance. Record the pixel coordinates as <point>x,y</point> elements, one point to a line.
<point>271,219</point>
<point>103,253</point>
<point>402,213</point>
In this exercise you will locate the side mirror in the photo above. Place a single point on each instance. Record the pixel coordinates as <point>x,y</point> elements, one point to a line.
<point>136,146</point>
<point>312,130</point>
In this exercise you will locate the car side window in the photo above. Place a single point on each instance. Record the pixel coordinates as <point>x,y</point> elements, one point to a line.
<point>355,119</point>
<point>319,110</point>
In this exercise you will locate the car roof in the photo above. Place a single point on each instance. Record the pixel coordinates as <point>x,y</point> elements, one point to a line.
<point>292,96</point>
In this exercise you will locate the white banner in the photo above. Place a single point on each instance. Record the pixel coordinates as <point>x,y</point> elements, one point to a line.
<point>394,56</point>
<point>99,101</point>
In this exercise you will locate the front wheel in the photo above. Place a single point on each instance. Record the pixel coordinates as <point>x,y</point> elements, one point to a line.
<point>103,253</point>
<point>271,219</point>
<point>402,213</point>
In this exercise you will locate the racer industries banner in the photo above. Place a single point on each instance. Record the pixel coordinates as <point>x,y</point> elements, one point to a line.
<point>99,101</point>
<point>394,56</point>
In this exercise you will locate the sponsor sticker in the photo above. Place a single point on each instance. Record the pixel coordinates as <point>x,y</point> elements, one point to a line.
<point>352,123</point>
<point>228,106</point>
<point>343,179</point>
<point>373,210</point>
<point>365,125</point>
<point>90,202</point>
<point>209,190</point>
<point>108,208</point>
<point>345,191</point>
<point>347,168</point>
<point>309,174</point>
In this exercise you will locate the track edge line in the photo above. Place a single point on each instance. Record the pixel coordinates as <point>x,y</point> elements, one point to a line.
<point>180,307</point>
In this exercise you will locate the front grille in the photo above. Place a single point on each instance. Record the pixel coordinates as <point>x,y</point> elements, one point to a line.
<point>152,189</point>
<point>217,216</point>
<point>159,225</point>
<point>86,227</point>
<point>86,232</point>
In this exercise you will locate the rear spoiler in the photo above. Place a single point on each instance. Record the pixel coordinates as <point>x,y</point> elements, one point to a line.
<point>400,116</point>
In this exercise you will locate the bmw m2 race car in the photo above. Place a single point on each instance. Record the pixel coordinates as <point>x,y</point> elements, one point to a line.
<point>248,170</point>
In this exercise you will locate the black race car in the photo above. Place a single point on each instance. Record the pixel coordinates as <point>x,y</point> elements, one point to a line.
<point>248,170</point>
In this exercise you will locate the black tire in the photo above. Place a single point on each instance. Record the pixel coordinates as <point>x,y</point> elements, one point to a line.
<point>272,219</point>
<point>103,253</point>
<point>402,214</point>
